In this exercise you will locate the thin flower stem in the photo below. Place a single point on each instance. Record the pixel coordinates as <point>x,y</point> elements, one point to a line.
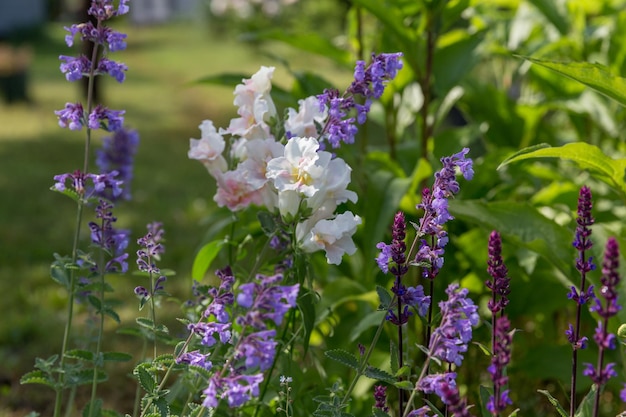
<point>400,349</point>
<point>153,316</point>
<point>601,349</point>
<point>94,382</point>
<point>572,408</point>
<point>77,228</point>
<point>137,403</point>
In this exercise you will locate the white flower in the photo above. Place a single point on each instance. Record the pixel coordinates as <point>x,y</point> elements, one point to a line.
<point>303,123</point>
<point>334,236</point>
<point>301,168</point>
<point>256,107</point>
<point>209,148</point>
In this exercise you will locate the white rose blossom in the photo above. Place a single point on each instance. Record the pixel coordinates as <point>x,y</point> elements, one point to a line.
<point>334,236</point>
<point>209,148</point>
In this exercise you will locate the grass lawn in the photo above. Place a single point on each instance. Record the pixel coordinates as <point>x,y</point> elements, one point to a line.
<point>166,108</point>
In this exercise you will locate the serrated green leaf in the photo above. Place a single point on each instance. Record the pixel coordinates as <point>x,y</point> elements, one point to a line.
<point>404,371</point>
<point>79,354</point>
<point>93,409</point>
<point>595,76</point>
<point>108,311</point>
<point>85,377</point>
<point>379,413</point>
<point>585,408</point>
<point>95,302</point>
<point>554,402</point>
<point>145,322</point>
<point>344,357</point>
<point>37,377</point>
<point>161,404</point>
<point>145,378</point>
<point>380,375</point>
<point>586,156</point>
<point>116,357</point>
<point>204,258</point>
<point>59,274</point>
<point>267,222</point>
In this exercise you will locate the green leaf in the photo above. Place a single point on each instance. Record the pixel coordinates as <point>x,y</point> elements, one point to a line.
<point>145,378</point>
<point>485,394</point>
<point>343,357</point>
<point>406,385</point>
<point>203,259</point>
<point>380,375</point>
<point>586,156</point>
<point>554,402</point>
<point>108,311</point>
<point>384,296</point>
<point>161,404</point>
<point>93,409</point>
<point>454,57</point>
<point>37,377</point>
<point>372,319</point>
<point>116,357</point>
<point>59,273</point>
<point>585,408</point>
<point>595,76</point>
<point>84,355</point>
<point>523,225</point>
<point>379,413</point>
<point>268,224</point>
<point>85,377</point>
<point>145,322</point>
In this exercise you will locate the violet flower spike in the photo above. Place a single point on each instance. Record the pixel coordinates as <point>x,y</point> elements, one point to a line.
<point>601,373</point>
<point>113,242</point>
<point>501,357</point>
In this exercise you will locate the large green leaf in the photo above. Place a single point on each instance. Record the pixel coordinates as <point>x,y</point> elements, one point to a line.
<point>523,225</point>
<point>550,9</point>
<point>203,259</point>
<point>596,76</point>
<point>587,157</point>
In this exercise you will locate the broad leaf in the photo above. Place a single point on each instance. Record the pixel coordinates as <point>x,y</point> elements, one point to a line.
<point>37,377</point>
<point>585,408</point>
<point>586,156</point>
<point>145,378</point>
<point>596,76</point>
<point>116,357</point>
<point>522,224</point>
<point>203,259</point>
<point>380,375</point>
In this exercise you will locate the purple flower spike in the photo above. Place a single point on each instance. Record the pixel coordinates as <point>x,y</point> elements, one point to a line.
<point>498,270</point>
<point>459,313</point>
<point>501,357</point>
<point>601,373</point>
<point>380,396</point>
<point>113,242</point>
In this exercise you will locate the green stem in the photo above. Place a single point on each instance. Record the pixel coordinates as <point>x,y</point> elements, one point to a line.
<point>138,389</point>
<point>94,382</point>
<point>153,316</point>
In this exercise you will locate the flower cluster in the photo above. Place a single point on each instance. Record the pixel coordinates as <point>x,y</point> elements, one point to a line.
<point>291,176</point>
<point>117,154</point>
<point>86,185</point>
<point>499,285</point>
<point>436,214</point>
<point>582,243</point>
<point>608,290</point>
<point>444,386</point>
<point>501,357</point>
<point>369,82</point>
<point>406,296</point>
<point>151,250</point>
<point>459,314</point>
<point>73,116</point>
<point>113,242</point>
<point>263,304</point>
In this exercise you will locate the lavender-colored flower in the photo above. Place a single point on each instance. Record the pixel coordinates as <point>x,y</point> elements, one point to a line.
<point>113,242</point>
<point>257,350</point>
<point>237,389</point>
<point>110,120</point>
<point>101,35</point>
<point>420,412</point>
<point>436,214</point>
<point>600,374</point>
<point>71,116</point>
<point>104,9</point>
<point>117,153</point>
<point>266,301</point>
<point>74,67</point>
<point>459,313</point>
<point>498,270</point>
<point>369,83</point>
<point>384,256</point>
<point>380,396</point>
<point>86,185</point>
<point>622,393</point>
<point>151,248</point>
<point>112,68</point>
<point>195,358</point>
<point>501,357</point>
<point>577,343</point>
